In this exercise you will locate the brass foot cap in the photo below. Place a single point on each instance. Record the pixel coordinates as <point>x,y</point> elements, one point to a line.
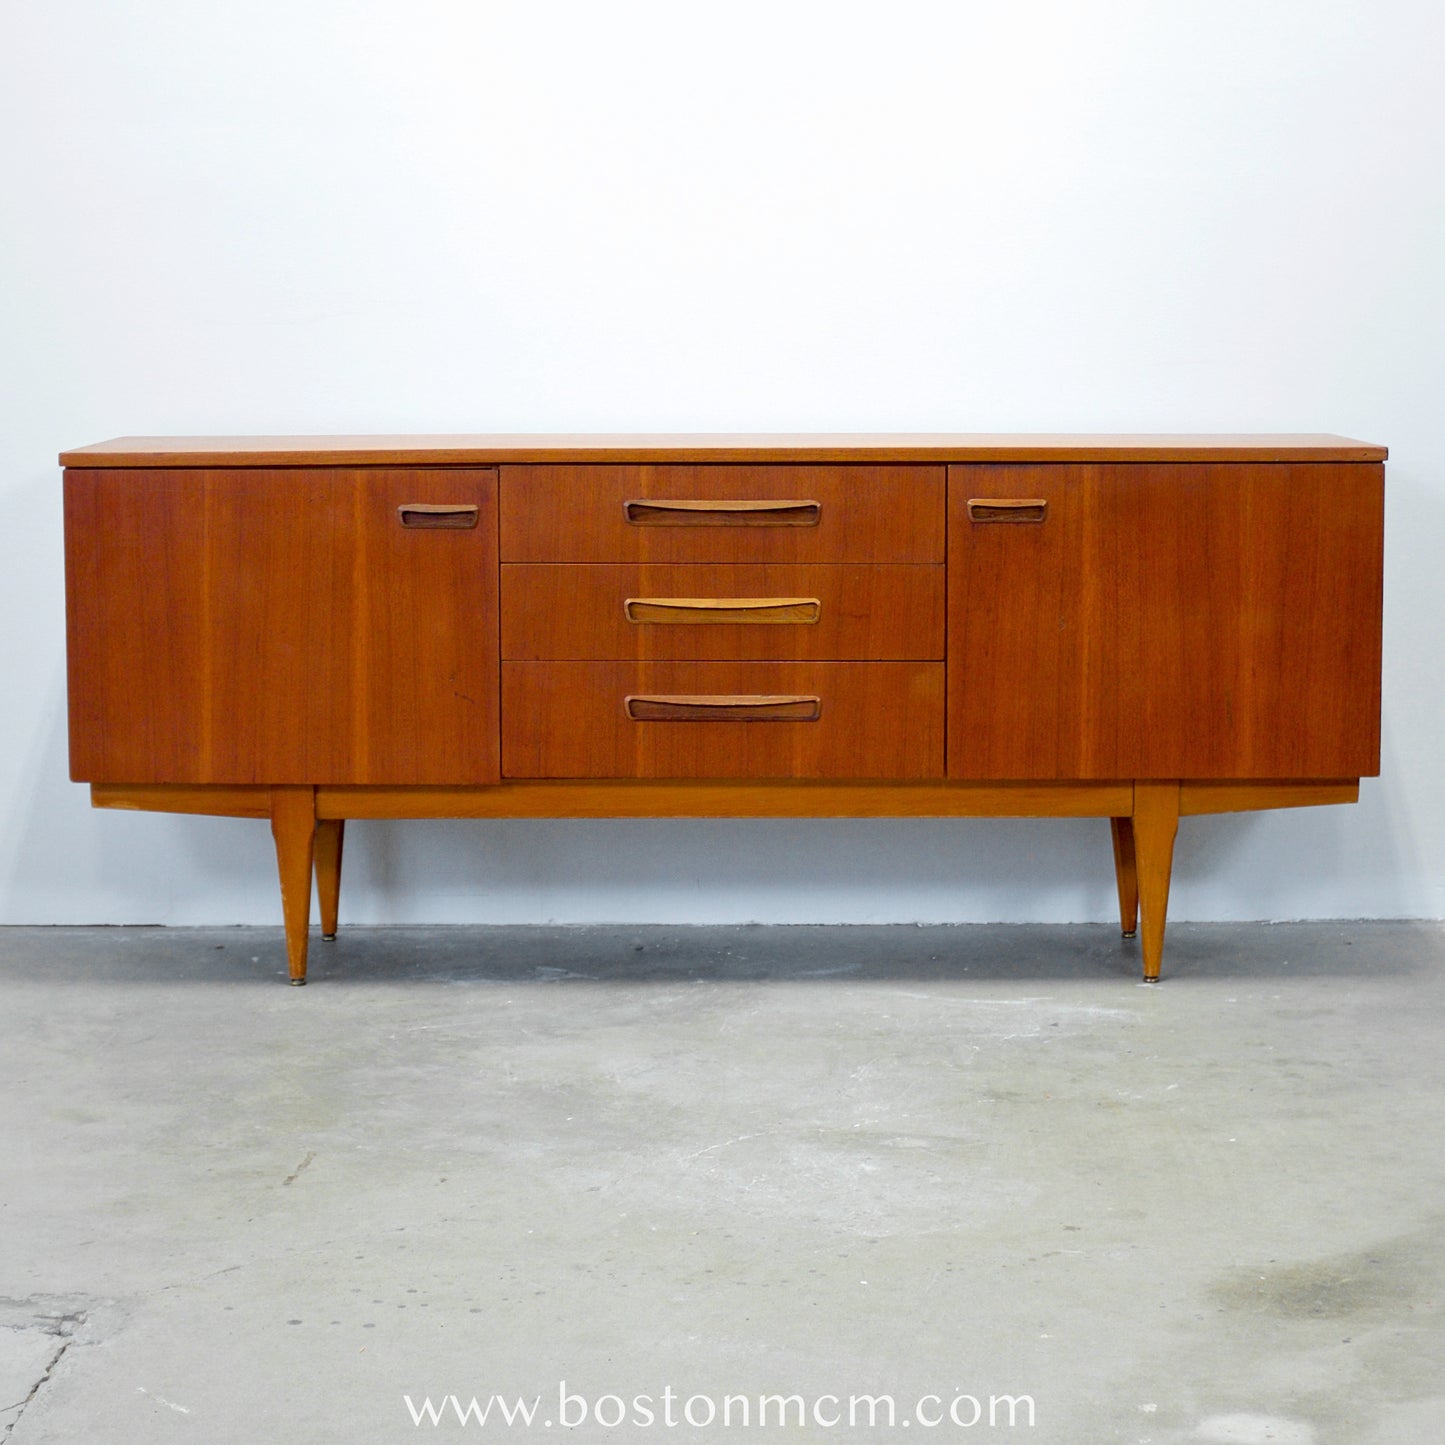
<point>1132,933</point>
<point>328,938</point>
<point>298,983</point>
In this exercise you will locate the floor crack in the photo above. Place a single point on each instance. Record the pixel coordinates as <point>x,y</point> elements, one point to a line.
<point>296,1173</point>
<point>63,1326</point>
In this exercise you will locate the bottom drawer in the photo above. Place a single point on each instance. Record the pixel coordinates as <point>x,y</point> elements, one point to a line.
<point>722,720</point>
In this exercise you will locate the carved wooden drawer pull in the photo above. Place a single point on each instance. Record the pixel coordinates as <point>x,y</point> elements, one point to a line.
<point>649,512</point>
<point>455,516</point>
<point>1007,509</point>
<point>721,609</point>
<point>725,707</point>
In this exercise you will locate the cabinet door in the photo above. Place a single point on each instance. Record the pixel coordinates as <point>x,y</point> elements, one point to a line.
<point>282,625</point>
<point>1165,621</point>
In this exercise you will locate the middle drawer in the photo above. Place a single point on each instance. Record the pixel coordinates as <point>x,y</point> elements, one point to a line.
<point>663,612</point>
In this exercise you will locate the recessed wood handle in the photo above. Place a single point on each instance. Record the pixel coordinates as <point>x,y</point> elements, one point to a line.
<point>684,610</point>
<point>456,516</point>
<point>649,512</point>
<point>1007,509</point>
<point>725,707</point>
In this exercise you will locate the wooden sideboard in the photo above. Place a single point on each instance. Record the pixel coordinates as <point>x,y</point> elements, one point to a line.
<point>311,630</point>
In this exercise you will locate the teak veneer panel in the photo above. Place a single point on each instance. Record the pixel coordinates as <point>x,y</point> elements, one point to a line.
<point>467,450</point>
<point>868,514</point>
<point>577,610</point>
<point>568,720</point>
<point>1170,621</point>
<point>279,626</point>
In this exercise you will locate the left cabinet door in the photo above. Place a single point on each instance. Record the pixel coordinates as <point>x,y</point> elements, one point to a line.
<point>282,625</point>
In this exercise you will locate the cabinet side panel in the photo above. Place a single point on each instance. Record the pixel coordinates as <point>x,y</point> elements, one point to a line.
<point>1166,621</point>
<point>281,626</point>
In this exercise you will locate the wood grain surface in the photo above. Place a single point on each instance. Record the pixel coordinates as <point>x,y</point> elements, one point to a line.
<point>569,720</point>
<point>280,626</point>
<point>795,798</point>
<point>574,610</point>
<point>577,514</point>
<point>482,450</point>
<point>1170,621</point>
<point>737,799</point>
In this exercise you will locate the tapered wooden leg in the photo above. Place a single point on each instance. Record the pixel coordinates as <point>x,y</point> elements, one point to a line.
<point>1126,874</point>
<point>293,825</point>
<point>1156,821</point>
<point>330,834</point>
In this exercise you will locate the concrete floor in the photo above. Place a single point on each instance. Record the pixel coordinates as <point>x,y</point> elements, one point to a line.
<point>951,1162</point>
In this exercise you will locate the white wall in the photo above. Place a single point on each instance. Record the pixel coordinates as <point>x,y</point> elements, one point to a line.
<point>455,215</point>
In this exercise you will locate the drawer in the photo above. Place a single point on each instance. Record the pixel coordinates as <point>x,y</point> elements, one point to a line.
<point>722,720</point>
<point>601,611</point>
<point>722,513</point>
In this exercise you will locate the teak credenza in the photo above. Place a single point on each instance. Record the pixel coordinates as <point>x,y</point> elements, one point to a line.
<point>311,630</point>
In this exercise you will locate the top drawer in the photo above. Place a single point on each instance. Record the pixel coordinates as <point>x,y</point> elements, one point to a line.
<point>722,513</point>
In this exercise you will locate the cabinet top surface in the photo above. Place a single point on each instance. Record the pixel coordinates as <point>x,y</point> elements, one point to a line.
<point>257,451</point>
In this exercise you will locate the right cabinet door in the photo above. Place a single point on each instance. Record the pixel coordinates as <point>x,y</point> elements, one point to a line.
<point>1151,620</point>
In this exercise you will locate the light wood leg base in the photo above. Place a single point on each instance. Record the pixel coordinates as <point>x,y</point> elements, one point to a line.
<point>1126,874</point>
<point>330,835</point>
<point>293,825</point>
<point>1156,821</point>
